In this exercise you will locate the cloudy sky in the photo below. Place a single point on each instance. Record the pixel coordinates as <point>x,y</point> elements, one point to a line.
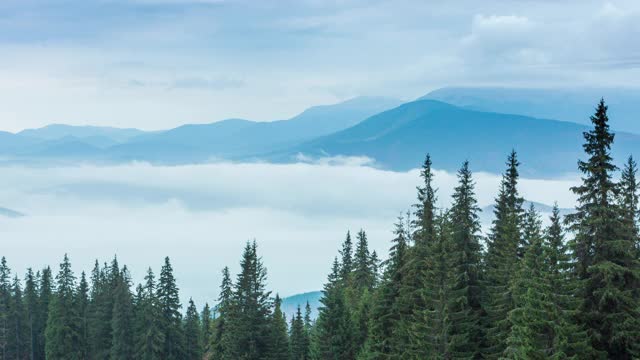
<point>158,63</point>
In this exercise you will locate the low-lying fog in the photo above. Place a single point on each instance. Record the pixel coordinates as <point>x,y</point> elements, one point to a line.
<point>202,215</point>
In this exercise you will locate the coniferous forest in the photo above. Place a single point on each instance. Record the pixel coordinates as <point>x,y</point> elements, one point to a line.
<point>569,290</point>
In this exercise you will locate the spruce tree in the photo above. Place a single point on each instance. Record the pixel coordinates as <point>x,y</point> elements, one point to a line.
<point>149,337</point>
<point>17,342</point>
<point>334,329</point>
<point>628,200</point>
<point>31,309</point>
<point>279,340</point>
<point>5,300</point>
<point>505,247</point>
<point>45,297</point>
<point>82,304</point>
<point>221,340</point>
<point>533,317</point>
<point>298,337</point>
<point>171,318</point>
<point>206,328</point>
<point>605,253</point>
<point>464,253</point>
<point>192,333</point>
<point>122,321</point>
<point>346,261</point>
<point>249,316</point>
<point>385,313</point>
<point>62,335</point>
<point>570,338</point>
<point>411,299</point>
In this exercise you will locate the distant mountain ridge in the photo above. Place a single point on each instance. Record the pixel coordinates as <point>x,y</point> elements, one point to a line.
<point>398,139</point>
<point>569,104</point>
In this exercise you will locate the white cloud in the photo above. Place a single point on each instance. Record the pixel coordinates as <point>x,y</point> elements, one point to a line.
<point>201,216</point>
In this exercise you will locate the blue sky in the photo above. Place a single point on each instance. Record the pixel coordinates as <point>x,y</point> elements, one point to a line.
<point>155,64</point>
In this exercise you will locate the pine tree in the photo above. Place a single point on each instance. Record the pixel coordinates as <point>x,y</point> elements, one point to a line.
<point>249,318</point>
<point>82,304</point>
<point>605,255</point>
<point>533,317</point>
<point>411,300</point>
<point>298,336</point>
<point>334,329</point>
<point>100,309</point>
<point>149,338</point>
<point>279,340</point>
<point>505,247</point>
<point>464,253</point>
<point>206,328</point>
<point>346,261</point>
<point>570,340</point>
<point>17,335</point>
<point>171,320</point>
<point>122,344</point>
<point>221,340</point>
<point>45,297</point>
<point>192,333</point>
<point>62,335</point>
<point>5,300</point>
<point>385,313</point>
<point>31,309</point>
<point>628,195</point>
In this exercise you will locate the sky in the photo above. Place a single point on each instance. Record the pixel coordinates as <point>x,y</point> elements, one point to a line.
<point>202,215</point>
<point>156,64</point>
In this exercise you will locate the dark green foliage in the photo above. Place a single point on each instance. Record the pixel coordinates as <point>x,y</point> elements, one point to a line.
<point>82,304</point>
<point>46,294</point>
<point>334,330</point>
<point>221,340</point>
<point>5,300</point>
<point>171,320</point>
<point>17,340</point>
<point>122,325</point>
<point>604,249</point>
<point>299,336</point>
<point>192,333</point>
<point>149,338</point>
<point>505,248</point>
<point>279,340</point>
<point>464,303</point>
<point>385,313</point>
<point>250,311</point>
<point>62,334</point>
<point>628,200</point>
<point>206,329</point>
<point>31,300</point>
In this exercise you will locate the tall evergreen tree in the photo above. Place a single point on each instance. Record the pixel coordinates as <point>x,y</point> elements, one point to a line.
<point>221,341</point>
<point>505,247</point>
<point>206,330</point>
<point>298,337</point>
<point>605,254</point>
<point>45,297</point>
<point>279,340</point>
<point>385,313</point>
<point>628,200</point>
<point>82,304</point>
<point>346,261</point>
<point>334,329</point>
<point>411,299</point>
<point>31,309</point>
<point>62,335</point>
<point>249,318</point>
<point>171,321</point>
<point>149,339</point>
<point>122,321</point>
<point>465,296</point>
<point>5,300</point>
<point>192,333</point>
<point>18,335</point>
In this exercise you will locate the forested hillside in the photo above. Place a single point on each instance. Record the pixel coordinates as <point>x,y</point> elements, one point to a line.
<point>444,290</point>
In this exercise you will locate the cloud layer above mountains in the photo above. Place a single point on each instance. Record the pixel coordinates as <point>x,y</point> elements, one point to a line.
<point>202,215</point>
<point>158,63</point>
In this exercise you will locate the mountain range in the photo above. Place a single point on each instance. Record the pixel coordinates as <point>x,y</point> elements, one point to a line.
<point>452,124</point>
